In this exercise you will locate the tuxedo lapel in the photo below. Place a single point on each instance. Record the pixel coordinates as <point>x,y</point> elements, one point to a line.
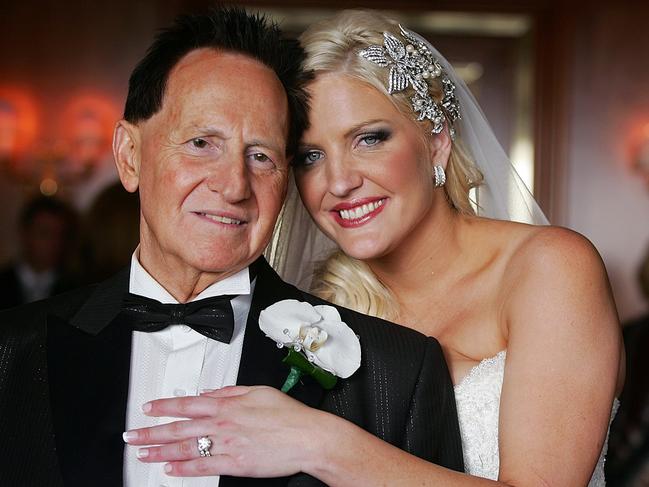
<point>89,364</point>
<point>261,359</point>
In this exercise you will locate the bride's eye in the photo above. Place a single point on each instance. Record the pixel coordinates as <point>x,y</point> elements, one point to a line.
<point>307,158</point>
<point>373,138</point>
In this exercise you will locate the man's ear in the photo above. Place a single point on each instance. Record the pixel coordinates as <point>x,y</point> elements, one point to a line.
<point>440,148</point>
<point>126,150</point>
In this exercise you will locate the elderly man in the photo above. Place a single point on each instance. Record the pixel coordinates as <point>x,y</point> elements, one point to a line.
<point>212,116</point>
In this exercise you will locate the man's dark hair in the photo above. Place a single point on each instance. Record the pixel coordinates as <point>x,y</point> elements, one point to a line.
<point>46,204</point>
<point>222,28</point>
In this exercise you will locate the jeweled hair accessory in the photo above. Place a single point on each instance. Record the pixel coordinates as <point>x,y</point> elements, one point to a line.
<point>412,64</point>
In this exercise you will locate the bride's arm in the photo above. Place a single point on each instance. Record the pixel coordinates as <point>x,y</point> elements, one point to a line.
<point>561,374</point>
<point>562,369</point>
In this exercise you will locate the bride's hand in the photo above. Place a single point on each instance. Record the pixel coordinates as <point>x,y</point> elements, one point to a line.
<point>255,432</point>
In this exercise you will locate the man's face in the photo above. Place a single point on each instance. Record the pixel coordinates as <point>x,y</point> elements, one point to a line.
<point>43,241</point>
<point>212,164</point>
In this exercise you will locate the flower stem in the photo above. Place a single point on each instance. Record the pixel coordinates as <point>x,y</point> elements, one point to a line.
<point>293,376</point>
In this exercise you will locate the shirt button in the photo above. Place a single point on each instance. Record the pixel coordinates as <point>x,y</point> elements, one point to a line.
<point>186,328</point>
<point>180,392</point>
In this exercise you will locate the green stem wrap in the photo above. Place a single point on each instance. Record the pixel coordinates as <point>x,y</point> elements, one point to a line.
<point>292,379</point>
<point>300,365</point>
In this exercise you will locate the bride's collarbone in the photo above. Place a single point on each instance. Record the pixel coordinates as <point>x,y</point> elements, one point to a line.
<point>467,333</point>
<point>464,310</point>
<point>458,310</point>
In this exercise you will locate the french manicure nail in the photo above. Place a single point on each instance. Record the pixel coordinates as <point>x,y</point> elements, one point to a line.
<point>127,436</point>
<point>142,453</point>
<point>146,407</point>
<point>168,468</point>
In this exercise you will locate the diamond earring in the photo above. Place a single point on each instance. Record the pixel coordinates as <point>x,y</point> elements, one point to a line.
<point>440,176</point>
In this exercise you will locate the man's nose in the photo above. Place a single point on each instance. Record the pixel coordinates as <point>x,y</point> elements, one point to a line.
<point>231,179</point>
<point>343,176</point>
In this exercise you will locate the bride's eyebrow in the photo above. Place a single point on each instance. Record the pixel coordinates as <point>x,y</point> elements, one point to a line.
<point>305,144</point>
<point>356,128</point>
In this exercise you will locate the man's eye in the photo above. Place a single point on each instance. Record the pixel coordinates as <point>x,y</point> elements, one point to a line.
<point>199,143</point>
<point>259,157</point>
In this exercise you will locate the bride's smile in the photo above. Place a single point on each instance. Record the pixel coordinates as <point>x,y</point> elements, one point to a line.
<point>357,212</point>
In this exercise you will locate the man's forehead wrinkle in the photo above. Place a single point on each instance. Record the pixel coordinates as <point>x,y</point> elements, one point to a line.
<point>203,97</point>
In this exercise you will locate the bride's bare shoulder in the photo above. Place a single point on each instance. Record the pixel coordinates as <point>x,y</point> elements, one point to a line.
<point>537,255</point>
<point>556,274</point>
<point>551,250</point>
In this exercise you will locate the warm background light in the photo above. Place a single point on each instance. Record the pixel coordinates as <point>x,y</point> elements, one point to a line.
<point>19,123</point>
<point>639,150</point>
<point>64,150</point>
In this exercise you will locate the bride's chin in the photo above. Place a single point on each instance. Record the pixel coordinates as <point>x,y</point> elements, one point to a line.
<point>363,251</point>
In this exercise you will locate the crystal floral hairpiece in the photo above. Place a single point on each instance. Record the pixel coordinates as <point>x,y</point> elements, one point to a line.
<point>412,64</point>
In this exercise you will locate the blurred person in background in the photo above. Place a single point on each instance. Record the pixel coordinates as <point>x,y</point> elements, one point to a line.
<point>628,462</point>
<point>109,234</point>
<point>47,231</point>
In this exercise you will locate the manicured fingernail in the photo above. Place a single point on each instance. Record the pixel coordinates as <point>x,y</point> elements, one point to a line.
<point>206,391</point>
<point>168,468</point>
<point>142,453</point>
<point>129,435</point>
<point>146,407</point>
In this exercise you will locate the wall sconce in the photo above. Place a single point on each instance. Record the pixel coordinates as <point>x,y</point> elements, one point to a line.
<point>18,127</point>
<point>642,160</point>
<point>66,153</point>
<point>640,154</point>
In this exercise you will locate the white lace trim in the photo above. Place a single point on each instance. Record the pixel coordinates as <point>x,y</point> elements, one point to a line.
<point>478,403</point>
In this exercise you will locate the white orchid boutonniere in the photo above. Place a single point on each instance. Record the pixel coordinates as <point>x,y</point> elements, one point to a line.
<point>319,343</point>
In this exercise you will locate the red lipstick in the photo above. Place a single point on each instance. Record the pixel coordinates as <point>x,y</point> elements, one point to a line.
<point>357,212</point>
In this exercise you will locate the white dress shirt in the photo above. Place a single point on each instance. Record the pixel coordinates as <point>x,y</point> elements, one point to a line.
<point>178,361</point>
<point>35,285</point>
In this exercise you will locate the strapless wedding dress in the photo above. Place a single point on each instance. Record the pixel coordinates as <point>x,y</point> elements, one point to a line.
<point>478,402</point>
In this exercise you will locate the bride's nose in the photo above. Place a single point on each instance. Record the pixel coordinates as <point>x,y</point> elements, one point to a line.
<point>342,176</point>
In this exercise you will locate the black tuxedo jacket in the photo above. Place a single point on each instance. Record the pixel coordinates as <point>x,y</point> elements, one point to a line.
<point>64,374</point>
<point>11,289</point>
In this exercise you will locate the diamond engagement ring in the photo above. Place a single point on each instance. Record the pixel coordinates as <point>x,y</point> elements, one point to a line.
<point>204,445</point>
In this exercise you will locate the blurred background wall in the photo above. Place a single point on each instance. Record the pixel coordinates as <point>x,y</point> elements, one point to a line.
<point>565,83</point>
<point>609,115</point>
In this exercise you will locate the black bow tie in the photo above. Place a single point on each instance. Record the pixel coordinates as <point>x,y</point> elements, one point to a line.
<point>211,317</point>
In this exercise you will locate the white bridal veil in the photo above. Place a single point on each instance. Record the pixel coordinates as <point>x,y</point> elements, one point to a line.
<point>298,245</point>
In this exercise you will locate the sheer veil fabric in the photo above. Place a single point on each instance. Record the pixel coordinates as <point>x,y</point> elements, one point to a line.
<point>298,246</point>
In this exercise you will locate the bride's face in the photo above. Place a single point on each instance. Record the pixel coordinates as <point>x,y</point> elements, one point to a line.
<point>364,170</point>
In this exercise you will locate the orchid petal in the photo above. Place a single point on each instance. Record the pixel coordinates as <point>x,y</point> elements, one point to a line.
<point>341,353</point>
<point>288,314</point>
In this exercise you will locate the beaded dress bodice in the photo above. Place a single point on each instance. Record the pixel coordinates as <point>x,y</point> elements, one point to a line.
<point>478,402</point>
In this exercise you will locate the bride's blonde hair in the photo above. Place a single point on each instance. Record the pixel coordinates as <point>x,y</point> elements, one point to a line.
<point>332,46</point>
